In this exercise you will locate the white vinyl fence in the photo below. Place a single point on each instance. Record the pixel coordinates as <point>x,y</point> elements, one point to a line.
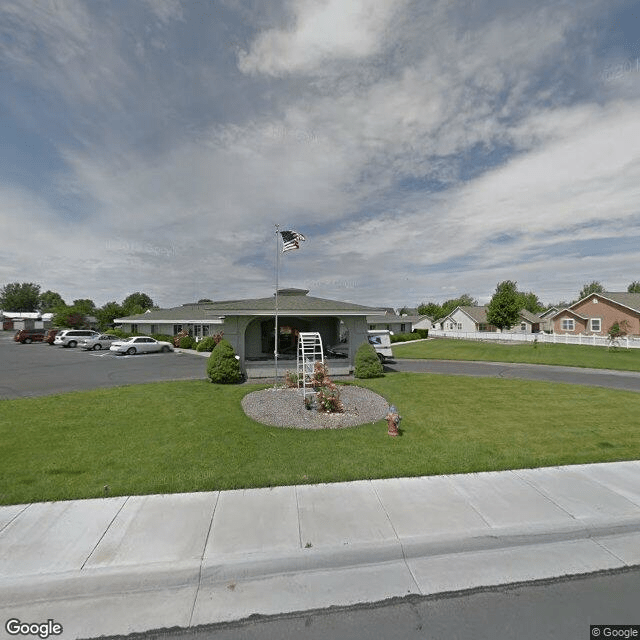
<point>628,342</point>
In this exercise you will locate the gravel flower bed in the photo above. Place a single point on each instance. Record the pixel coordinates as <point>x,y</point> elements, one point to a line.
<point>285,408</point>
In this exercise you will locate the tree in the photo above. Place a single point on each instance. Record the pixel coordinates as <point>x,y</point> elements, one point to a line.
<point>530,302</point>
<point>504,309</point>
<point>49,301</point>
<point>107,313</point>
<point>436,311</point>
<point>70,317</point>
<point>136,303</point>
<point>588,289</point>
<point>85,306</point>
<point>20,297</point>
<point>431,309</point>
<point>223,366</point>
<point>634,287</point>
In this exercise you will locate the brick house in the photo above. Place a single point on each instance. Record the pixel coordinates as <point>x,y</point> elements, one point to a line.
<point>595,314</point>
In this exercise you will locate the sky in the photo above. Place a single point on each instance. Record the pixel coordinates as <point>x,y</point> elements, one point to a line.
<point>424,148</point>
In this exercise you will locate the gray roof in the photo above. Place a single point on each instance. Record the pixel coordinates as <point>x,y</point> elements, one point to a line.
<point>290,301</point>
<point>479,314</point>
<point>630,300</point>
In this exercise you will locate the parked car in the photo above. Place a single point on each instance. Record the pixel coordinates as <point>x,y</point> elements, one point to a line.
<point>102,341</point>
<point>26,336</point>
<point>50,335</point>
<point>71,337</point>
<point>140,344</point>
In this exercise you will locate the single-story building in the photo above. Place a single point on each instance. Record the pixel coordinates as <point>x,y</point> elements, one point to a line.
<point>249,325</point>
<point>469,319</point>
<point>394,323</point>
<point>595,314</point>
<point>17,320</point>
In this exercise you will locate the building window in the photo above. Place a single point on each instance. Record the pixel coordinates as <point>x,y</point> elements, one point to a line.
<point>205,330</point>
<point>403,328</point>
<point>523,326</point>
<point>595,324</point>
<point>568,324</point>
<point>154,328</point>
<point>134,328</point>
<point>177,328</point>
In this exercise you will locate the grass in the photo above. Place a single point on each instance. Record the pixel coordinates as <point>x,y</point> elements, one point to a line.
<point>555,354</point>
<point>193,436</point>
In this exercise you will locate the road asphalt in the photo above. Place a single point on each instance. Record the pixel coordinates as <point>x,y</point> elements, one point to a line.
<point>119,565</point>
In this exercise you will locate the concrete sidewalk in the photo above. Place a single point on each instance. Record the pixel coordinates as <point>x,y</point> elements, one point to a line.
<point>120,565</point>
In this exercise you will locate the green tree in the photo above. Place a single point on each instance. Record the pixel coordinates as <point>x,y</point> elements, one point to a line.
<point>85,306</point>
<point>431,309</point>
<point>70,317</point>
<point>136,303</point>
<point>504,309</point>
<point>49,301</point>
<point>107,313</point>
<point>588,289</point>
<point>20,297</point>
<point>634,287</point>
<point>223,367</point>
<point>530,302</point>
<point>367,364</point>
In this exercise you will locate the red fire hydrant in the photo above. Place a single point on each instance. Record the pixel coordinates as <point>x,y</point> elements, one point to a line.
<point>393,420</point>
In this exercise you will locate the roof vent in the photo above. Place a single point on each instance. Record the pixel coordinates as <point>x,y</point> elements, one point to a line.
<point>293,292</point>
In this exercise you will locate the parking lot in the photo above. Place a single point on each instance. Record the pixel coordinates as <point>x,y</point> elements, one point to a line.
<point>39,369</point>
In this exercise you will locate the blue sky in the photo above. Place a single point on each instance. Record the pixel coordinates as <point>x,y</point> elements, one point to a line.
<point>425,148</point>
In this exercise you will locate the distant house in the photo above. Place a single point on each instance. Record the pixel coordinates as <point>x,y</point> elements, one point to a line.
<point>595,314</point>
<point>16,320</point>
<point>546,319</point>
<point>249,325</point>
<point>469,319</point>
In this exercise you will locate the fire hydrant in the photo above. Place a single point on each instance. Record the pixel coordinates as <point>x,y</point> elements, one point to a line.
<point>393,420</point>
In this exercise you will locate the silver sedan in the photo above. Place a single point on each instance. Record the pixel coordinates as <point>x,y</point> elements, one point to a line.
<point>140,344</point>
<point>103,341</point>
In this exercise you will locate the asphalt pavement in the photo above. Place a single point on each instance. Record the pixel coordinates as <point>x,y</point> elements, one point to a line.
<point>131,564</point>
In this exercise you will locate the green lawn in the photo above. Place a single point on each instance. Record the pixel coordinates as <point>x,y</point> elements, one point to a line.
<point>557,354</point>
<point>194,436</point>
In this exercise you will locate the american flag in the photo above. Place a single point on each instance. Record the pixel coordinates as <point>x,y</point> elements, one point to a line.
<point>291,240</point>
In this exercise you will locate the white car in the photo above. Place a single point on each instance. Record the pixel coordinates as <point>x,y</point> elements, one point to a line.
<point>140,344</point>
<point>103,341</point>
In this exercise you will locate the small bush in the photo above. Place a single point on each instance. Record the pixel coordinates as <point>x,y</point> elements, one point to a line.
<point>292,380</point>
<point>119,333</point>
<point>327,393</point>
<point>209,343</point>
<point>187,342</point>
<point>367,363</point>
<point>223,367</point>
<point>161,337</point>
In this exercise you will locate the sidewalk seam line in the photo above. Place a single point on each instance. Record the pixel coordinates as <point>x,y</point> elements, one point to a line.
<point>104,533</point>
<point>543,493</point>
<point>204,550</point>
<point>16,516</point>
<point>468,499</point>
<point>404,555</point>
<point>295,487</point>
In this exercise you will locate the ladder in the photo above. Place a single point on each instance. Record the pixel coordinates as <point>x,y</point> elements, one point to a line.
<point>309,352</point>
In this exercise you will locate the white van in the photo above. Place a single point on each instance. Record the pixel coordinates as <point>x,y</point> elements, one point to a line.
<point>380,339</point>
<point>71,337</point>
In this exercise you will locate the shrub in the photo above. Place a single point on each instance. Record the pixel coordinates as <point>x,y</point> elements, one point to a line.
<point>292,380</point>
<point>187,342</point>
<point>327,393</point>
<point>367,363</point>
<point>178,337</point>
<point>119,333</point>
<point>223,367</point>
<point>161,337</point>
<point>209,343</point>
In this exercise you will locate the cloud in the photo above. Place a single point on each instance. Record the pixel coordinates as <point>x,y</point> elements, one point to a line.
<point>321,32</point>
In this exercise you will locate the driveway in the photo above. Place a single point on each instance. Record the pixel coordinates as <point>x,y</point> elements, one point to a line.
<point>626,380</point>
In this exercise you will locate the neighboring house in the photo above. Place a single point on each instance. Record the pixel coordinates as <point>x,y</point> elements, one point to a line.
<point>467,319</point>
<point>546,319</point>
<point>474,319</point>
<point>16,320</point>
<point>249,325</point>
<point>595,314</point>
<point>392,322</point>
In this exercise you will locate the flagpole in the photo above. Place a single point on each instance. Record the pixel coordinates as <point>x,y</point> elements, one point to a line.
<point>275,335</point>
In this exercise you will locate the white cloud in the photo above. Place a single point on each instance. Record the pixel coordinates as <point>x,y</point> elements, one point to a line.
<point>323,31</point>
